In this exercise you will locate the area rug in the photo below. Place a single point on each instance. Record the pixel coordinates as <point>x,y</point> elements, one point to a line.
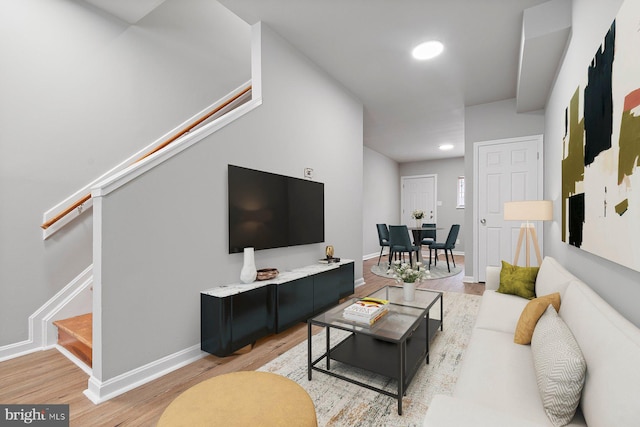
<point>437,271</point>
<point>339,403</point>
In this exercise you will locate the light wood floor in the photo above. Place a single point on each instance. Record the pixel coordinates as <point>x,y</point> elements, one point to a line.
<point>47,377</point>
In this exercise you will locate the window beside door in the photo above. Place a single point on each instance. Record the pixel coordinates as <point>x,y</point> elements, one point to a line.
<point>460,193</point>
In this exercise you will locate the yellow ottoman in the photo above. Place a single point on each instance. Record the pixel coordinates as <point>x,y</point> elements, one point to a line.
<point>245,398</point>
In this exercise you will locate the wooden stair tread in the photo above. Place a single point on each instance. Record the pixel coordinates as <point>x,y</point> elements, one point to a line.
<point>79,327</point>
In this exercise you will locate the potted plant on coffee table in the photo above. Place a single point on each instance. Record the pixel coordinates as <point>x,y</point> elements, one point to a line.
<point>410,276</point>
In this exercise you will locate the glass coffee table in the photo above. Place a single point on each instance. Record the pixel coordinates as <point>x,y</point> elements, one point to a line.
<point>394,346</point>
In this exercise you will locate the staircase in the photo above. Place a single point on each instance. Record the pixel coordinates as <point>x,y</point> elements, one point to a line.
<point>75,335</point>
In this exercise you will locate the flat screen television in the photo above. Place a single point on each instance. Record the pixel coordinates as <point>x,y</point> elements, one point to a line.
<point>268,210</point>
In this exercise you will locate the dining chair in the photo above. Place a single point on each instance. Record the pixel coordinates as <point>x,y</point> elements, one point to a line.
<point>383,238</point>
<point>428,236</point>
<point>450,244</point>
<point>400,242</point>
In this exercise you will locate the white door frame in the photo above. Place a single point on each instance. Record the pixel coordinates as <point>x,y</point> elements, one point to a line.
<point>435,192</point>
<point>476,149</point>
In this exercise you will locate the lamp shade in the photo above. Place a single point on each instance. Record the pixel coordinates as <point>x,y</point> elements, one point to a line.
<point>528,210</point>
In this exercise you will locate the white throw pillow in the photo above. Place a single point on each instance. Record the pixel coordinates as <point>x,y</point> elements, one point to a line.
<point>560,367</point>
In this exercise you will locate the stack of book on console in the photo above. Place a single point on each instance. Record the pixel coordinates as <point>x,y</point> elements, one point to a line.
<point>366,311</point>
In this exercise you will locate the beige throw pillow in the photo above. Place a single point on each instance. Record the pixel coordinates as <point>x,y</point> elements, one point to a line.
<point>530,315</point>
<point>560,367</point>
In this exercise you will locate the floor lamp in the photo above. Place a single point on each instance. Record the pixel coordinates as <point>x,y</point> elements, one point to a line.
<point>528,210</point>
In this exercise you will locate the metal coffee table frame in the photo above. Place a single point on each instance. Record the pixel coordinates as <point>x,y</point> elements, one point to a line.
<point>394,346</point>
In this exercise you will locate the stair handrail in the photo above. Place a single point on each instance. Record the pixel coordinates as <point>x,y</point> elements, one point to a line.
<point>77,204</point>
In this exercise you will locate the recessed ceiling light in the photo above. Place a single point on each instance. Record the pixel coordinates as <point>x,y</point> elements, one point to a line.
<point>445,147</point>
<point>427,50</point>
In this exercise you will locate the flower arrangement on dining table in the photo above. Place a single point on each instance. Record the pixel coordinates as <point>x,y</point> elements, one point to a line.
<point>404,272</point>
<point>417,214</point>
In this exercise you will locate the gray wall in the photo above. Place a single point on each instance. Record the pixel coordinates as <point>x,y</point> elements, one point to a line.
<point>619,285</point>
<point>164,235</point>
<point>380,198</point>
<point>448,171</point>
<point>81,92</point>
<point>487,122</point>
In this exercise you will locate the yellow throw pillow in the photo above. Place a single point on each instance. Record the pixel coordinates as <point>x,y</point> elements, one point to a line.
<point>519,281</point>
<point>530,315</point>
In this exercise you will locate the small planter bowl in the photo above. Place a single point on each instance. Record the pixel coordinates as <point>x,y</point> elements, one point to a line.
<point>267,273</point>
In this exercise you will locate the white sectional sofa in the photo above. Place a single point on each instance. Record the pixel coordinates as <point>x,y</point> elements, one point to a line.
<point>497,383</point>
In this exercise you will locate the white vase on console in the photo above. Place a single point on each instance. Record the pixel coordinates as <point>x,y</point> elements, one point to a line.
<point>248,272</point>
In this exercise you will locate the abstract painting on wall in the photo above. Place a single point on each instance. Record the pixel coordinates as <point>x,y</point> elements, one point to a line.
<point>601,148</point>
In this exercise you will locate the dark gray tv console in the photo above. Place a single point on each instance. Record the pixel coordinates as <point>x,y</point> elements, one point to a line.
<point>233,316</point>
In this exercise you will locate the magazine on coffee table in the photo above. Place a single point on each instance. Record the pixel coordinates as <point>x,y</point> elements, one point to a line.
<point>366,310</point>
<point>364,321</point>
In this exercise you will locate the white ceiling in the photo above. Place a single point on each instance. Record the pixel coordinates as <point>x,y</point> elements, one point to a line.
<point>127,10</point>
<point>412,107</point>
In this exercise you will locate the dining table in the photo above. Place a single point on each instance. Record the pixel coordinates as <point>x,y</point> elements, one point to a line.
<point>417,233</point>
<point>417,238</point>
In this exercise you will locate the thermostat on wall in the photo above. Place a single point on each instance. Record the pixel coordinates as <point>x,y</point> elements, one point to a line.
<point>308,173</point>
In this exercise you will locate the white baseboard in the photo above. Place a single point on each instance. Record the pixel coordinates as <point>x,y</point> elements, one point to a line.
<point>374,255</point>
<point>101,391</point>
<point>442,253</point>
<point>18,349</point>
<point>79,363</point>
<point>40,321</point>
<point>385,253</point>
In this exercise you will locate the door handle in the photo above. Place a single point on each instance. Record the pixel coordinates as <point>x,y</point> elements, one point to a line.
<point>483,221</point>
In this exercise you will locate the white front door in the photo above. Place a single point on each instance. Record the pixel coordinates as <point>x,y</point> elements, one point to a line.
<point>418,192</point>
<point>506,170</point>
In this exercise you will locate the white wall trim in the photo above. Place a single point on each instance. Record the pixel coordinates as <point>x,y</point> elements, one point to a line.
<point>130,173</point>
<point>79,363</point>
<point>40,320</point>
<point>101,391</point>
<point>18,349</point>
<point>97,290</point>
<point>256,60</point>
<point>126,164</point>
<point>375,255</point>
<point>65,309</point>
